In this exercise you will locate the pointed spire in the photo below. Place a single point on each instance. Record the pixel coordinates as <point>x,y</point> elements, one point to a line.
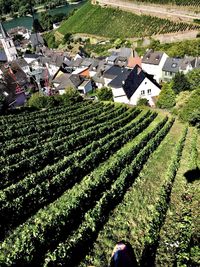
<point>3,32</point>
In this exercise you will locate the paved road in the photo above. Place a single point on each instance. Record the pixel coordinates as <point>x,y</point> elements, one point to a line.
<point>177,14</point>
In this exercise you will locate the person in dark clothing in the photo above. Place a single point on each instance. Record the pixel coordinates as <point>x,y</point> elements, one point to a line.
<point>123,255</point>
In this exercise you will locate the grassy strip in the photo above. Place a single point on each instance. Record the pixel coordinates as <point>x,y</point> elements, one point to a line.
<point>66,252</point>
<point>131,219</point>
<point>152,238</point>
<point>31,239</point>
<point>176,232</point>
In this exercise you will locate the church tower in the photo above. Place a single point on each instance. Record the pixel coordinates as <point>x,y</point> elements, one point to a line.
<point>8,44</point>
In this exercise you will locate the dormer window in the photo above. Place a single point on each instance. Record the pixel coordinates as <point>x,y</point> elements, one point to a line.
<point>174,65</point>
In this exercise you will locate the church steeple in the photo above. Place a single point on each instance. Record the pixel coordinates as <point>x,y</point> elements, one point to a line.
<point>8,44</point>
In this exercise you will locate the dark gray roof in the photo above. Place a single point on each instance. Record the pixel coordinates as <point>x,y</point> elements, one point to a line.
<point>130,80</point>
<point>67,80</point>
<point>36,39</point>
<point>112,58</point>
<point>172,64</point>
<point>21,62</point>
<point>31,56</point>
<point>118,81</point>
<point>112,72</point>
<point>76,63</point>
<point>87,62</point>
<point>152,57</point>
<point>95,64</point>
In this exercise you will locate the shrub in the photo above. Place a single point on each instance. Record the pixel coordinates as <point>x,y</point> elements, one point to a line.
<point>143,102</point>
<point>105,94</point>
<point>71,96</point>
<point>190,112</point>
<point>166,99</point>
<point>193,77</point>
<point>38,101</point>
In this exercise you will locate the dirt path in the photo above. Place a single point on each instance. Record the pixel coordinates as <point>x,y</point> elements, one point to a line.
<point>170,12</point>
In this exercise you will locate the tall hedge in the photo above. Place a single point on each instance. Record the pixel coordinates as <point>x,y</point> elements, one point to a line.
<point>166,99</point>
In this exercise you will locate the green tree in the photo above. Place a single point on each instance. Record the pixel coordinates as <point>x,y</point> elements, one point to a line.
<point>180,83</point>
<point>194,79</point>
<point>46,21</point>
<point>71,96</point>
<point>166,98</point>
<point>67,38</point>
<point>105,94</point>
<point>191,110</point>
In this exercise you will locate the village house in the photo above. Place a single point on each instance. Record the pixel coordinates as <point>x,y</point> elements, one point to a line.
<point>132,84</point>
<point>170,68</point>
<point>153,62</point>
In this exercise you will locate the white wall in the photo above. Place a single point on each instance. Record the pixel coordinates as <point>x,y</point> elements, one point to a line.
<point>144,86</point>
<point>121,99</point>
<point>118,92</point>
<point>155,70</point>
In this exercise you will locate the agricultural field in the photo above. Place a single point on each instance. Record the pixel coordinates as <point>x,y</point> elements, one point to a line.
<point>115,23</point>
<point>74,180</point>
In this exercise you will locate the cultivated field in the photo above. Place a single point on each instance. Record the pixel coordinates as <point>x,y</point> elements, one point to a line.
<point>74,180</point>
<point>114,23</point>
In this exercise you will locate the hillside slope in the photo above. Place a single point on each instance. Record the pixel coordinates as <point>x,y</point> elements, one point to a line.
<point>69,172</point>
<point>114,23</point>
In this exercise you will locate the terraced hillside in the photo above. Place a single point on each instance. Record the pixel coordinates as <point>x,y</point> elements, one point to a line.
<point>175,2</point>
<point>84,176</point>
<point>114,23</point>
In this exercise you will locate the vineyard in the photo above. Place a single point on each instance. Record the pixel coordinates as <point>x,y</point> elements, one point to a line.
<point>114,23</point>
<point>75,180</point>
<point>175,2</point>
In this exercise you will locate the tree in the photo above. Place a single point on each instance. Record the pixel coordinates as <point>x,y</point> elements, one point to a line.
<point>194,79</point>
<point>166,98</point>
<point>191,110</point>
<point>46,21</point>
<point>180,83</point>
<point>105,94</point>
<point>71,96</point>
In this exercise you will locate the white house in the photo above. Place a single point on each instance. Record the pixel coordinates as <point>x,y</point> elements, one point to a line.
<point>153,62</point>
<point>131,85</point>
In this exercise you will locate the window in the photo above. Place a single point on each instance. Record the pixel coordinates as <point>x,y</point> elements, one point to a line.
<point>149,91</point>
<point>142,92</point>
